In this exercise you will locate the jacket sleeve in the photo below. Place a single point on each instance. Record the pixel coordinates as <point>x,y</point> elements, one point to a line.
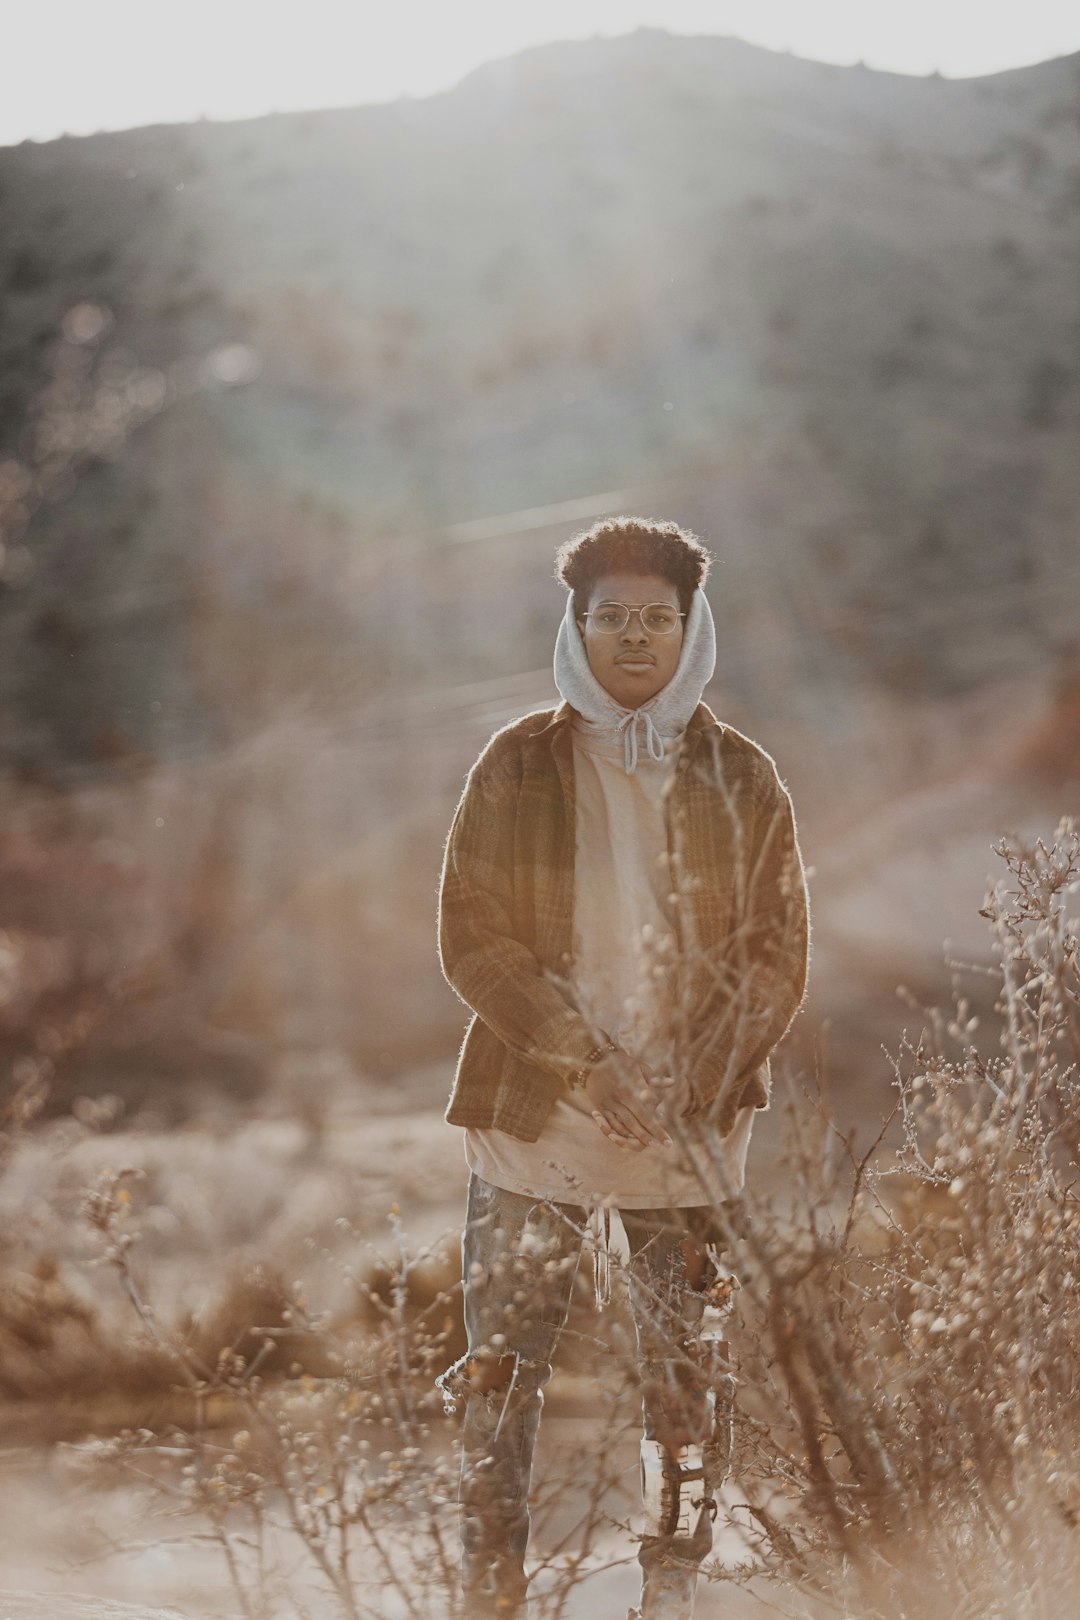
<point>491,970</point>
<point>756,984</point>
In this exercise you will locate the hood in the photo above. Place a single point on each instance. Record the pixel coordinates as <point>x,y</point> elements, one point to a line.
<point>661,720</point>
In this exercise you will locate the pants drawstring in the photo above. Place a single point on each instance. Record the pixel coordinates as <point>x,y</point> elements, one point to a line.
<point>601,1242</point>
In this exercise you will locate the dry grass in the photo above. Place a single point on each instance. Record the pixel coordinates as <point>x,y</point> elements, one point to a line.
<point>911,1318</point>
<point>906,1338</point>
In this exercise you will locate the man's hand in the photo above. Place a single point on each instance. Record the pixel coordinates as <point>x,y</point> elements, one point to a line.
<point>674,1100</point>
<point>624,1104</point>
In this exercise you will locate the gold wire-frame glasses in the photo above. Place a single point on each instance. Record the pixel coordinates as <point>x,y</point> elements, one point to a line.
<point>658,618</point>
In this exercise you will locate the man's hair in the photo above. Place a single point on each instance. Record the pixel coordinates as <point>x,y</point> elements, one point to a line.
<point>632,545</point>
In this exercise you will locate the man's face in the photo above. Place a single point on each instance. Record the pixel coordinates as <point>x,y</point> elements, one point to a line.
<point>633,664</point>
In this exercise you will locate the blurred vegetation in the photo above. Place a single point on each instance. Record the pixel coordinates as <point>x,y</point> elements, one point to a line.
<point>904,1339</point>
<point>295,410</point>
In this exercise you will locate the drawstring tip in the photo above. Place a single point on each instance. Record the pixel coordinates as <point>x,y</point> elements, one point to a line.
<point>602,1258</point>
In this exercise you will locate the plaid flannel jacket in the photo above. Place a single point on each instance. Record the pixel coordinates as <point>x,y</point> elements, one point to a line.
<point>738,904</point>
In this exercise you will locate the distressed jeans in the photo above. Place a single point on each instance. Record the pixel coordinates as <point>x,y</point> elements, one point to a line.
<point>520,1258</point>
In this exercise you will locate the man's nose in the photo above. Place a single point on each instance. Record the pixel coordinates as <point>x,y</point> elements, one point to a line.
<point>634,629</point>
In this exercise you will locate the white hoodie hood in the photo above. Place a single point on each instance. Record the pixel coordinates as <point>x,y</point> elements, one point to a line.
<point>664,717</point>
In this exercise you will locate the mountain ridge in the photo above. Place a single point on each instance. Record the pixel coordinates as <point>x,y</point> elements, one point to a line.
<point>267,389</point>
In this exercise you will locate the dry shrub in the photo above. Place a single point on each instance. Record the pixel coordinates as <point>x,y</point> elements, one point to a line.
<point>52,1347</point>
<point>911,1317</point>
<point>54,1352</point>
<point>342,1467</point>
<point>429,1292</point>
<point>907,1327</point>
<point>253,1317</point>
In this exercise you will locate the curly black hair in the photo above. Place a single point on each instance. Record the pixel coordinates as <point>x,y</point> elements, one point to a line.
<point>636,545</point>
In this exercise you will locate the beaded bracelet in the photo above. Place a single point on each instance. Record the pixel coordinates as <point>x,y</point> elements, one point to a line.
<point>581,1075</point>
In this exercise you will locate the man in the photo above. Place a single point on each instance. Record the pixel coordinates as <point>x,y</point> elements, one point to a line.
<point>623,907</point>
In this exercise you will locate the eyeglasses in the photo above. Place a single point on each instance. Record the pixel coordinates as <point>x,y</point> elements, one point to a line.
<point>658,618</point>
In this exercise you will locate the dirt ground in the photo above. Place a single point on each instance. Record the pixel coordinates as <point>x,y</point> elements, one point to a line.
<point>90,1552</point>
<point>78,1541</point>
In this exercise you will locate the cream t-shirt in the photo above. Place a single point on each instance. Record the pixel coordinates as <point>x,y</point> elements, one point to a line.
<point>620,915</point>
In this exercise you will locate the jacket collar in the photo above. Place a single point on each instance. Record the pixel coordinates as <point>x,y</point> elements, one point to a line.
<point>701,719</point>
<point>559,716</point>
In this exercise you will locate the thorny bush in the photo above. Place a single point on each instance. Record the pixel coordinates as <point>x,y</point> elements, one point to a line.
<point>906,1332</point>
<point>911,1317</point>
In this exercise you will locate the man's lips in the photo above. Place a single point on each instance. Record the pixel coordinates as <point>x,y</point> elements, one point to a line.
<point>635,658</point>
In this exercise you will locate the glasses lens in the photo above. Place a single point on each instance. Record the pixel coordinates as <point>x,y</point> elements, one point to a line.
<point>609,617</point>
<point>659,618</point>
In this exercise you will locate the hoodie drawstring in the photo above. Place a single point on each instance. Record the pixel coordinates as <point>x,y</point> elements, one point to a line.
<point>654,743</point>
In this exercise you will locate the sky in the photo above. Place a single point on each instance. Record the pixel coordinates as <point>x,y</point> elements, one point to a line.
<point>74,67</point>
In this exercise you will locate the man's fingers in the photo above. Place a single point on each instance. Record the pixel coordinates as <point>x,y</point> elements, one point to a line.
<point>617,1129</point>
<point>614,1135</point>
<point>648,1120</point>
<point>649,1113</point>
<point>632,1133</point>
<point>634,1109</point>
<point>647,1101</point>
<point>640,1129</point>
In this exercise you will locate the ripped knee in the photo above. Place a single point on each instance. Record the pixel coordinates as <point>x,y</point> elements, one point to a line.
<point>701,1272</point>
<point>705,1343</point>
<point>488,1372</point>
<point>688,1404</point>
<point>478,1372</point>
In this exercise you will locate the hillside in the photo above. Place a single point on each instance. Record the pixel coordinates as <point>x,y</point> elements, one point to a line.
<point>279,529</point>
